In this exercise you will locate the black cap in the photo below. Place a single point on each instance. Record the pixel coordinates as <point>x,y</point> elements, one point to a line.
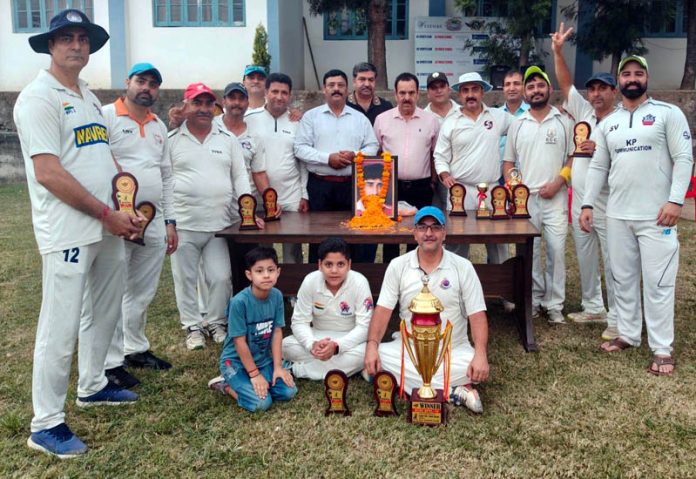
<point>235,87</point>
<point>70,18</point>
<point>604,77</point>
<point>436,76</point>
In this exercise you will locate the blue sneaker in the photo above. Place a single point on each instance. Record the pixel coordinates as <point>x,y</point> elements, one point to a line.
<point>111,395</point>
<point>57,441</point>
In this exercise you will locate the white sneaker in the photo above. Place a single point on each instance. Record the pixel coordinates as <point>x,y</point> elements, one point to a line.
<point>555,317</point>
<point>195,339</point>
<point>536,311</point>
<point>610,333</point>
<point>218,332</point>
<point>508,306</point>
<point>585,317</point>
<point>466,396</point>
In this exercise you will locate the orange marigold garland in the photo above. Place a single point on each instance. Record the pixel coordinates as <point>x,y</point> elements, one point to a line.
<point>373,217</point>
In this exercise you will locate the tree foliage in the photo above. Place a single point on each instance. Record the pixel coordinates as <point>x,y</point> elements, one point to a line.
<point>687,82</point>
<point>260,56</point>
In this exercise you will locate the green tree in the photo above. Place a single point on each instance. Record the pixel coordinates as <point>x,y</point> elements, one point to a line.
<point>689,76</point>
<point>260,55</point>
<point>376,21</point>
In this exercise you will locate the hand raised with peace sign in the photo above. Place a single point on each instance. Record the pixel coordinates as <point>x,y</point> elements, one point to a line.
<point>558,38</point>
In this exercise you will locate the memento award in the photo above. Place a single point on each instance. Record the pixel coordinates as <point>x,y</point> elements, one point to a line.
<point>247,212</point>
<point>499,199</point>
<point>428,405</point>
<point>384,384</point>
<point>270,204</point>
<point>149,211</point>
<point>124,190</point>
<point>336,385</point>
<point>519,194</point>
<point>482,210</point>
<point>457,194</point>
<point>581,132</point>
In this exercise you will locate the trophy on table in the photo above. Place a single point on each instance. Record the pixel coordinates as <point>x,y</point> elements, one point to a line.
<point>500,197</point>
<point>385,386</point>
<point>270,204</point>
<point>247,212</point>
<point>482,210</point>
<point>581,132</point>
<point>520,195</point>
<point>336,386</point>
<point>457,194</point>
<point>428,405</point>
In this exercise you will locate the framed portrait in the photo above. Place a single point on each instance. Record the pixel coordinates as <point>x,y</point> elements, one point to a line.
<point>373,168</point>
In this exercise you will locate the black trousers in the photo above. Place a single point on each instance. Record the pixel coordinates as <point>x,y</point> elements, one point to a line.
<point>418,193</point>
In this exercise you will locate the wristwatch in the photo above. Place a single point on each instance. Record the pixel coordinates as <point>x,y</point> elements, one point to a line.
<point>170,222</point>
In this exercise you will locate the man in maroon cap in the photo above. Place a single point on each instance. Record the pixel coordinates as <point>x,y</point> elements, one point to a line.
<point>208,169</point>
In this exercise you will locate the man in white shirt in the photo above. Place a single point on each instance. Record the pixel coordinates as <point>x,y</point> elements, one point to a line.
<point>514,103</point>
<point>644,149</point>
<point>254,81</point>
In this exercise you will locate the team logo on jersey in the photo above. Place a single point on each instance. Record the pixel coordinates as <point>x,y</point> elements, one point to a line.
<point>90,135</point>
<point>648,120</point>
<point>128,131</point>
<point>445,284</point>
<point>686,135</point>
<point>217,152</point>
<point>287,132</point>
<point>319,306</point>
<point>369,305</point>
<point>68,108</point>
<point>488,124</point>
<point>246,145</point>
<point>613,127</point>
<point>345,309</point>
<point>158,138</point>
<point>551,136</point>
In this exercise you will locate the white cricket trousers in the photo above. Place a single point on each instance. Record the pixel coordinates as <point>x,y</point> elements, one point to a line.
<point>587,249</point>
<point>390,356</point>
<point>214,258</point>
<point>641,248</point>
<point>143,268</point>
<point>92,274</point>
<point>550,216</point>
<point>307,366</point>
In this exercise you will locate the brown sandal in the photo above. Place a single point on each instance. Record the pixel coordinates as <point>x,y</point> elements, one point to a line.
<point>660,361</point>
<point>617,344</point>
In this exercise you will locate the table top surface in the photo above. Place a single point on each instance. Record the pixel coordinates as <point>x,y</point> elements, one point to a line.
<point>315,226</point>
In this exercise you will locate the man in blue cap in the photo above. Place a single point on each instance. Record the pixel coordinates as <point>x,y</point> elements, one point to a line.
<point>601,94</point>
<point>69,168</point>
<point>138,140</point>
<point>452,279</point>
<point>254,81</point>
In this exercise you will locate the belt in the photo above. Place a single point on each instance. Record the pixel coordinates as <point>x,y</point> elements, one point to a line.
<point>409,183</point>
<point>331,178</point>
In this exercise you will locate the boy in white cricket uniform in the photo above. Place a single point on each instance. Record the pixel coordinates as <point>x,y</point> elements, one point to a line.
<point>644,148</point>
<point>541,141</point>
<point>338,303</point>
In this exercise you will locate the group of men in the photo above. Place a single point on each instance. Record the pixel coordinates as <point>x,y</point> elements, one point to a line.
<point>97,287</point>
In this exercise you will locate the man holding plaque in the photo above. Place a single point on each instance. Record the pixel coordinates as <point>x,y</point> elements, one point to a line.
<point>601,94</point>
<point>138,140</point>
<point>69,169</point>
<point>644,150</point>
<point>453,281</point>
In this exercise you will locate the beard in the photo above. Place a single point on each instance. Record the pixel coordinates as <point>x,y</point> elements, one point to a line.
<point>144,100</point>
<point>538,103</point>
<point>632,94</point>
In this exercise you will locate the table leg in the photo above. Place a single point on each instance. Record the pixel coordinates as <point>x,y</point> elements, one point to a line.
<point>523,295</point>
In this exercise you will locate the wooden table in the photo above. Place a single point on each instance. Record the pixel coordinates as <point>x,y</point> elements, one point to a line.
<point>511,280</point>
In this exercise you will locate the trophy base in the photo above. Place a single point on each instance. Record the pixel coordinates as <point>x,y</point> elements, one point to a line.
<point>428,412</point>
<point>249,227</point>
<point>458,213</point>
<point>521,215</point>
<point>502,215</point>
<point>483,214</point>
<point>271,218</point>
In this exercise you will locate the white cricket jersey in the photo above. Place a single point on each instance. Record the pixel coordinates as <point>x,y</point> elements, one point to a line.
<point>52,119</point>
<point>141,149</point>
<point>582,110</point>
<point>207,177</point>
<point>454,108</point>
<point>454,283</point>
<point>468,149</point>
<point>349,310</point>
<point>286,174</point>
<point>648,157</point>
<point>541,148</point>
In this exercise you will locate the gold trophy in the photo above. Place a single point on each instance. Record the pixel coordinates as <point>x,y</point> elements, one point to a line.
<point>519,194</point>
<point>581,132</point>
<point>482,210</point>
<point>148,211</point>
<point>335,388</point>
<point>457,196</point>
<point>124,190</point>
<point>428,405</point>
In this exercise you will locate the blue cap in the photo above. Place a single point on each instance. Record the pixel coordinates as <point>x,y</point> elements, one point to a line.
<point>604,77</point>
<point>255,69</point>
<point>434,212</point>
<point>140,68</point>
<point>70,18</point>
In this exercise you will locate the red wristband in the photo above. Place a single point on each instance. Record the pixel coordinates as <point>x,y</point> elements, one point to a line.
<point>104,213</point>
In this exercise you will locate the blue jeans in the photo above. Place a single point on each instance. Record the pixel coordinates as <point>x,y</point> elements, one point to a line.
<point>246,396</point>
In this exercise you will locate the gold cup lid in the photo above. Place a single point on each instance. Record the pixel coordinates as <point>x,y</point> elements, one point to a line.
<point>425,302</point>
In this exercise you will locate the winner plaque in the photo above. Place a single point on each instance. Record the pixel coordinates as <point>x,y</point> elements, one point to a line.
<point>336,384</point>
<point>384,384</point>
<point>148,210</point>
<point>499,199</point>
<point>270,204</point>
<point>457,195</point>
<point>247,212</point>
<point>124,191</point>
<point>520,197</point>
<point>581,132</point>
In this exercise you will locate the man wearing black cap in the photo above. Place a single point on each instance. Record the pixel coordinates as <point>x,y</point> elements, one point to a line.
<point>69,168</point>
<point>601,93</point>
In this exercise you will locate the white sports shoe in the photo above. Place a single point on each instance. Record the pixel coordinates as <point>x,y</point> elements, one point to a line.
<point>195,339</point>
<point>508,306</point>
<point>555,317</point>
<point>585,317</point>
<point>218,332</point>
<point>469,397</point>
<point>536,311</point>
<point>610,333</point>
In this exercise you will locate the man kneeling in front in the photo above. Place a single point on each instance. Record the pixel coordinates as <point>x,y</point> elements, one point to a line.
<point>452,279</point>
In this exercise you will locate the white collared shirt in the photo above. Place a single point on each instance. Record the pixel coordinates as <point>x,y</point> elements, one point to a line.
<point>454,108</point>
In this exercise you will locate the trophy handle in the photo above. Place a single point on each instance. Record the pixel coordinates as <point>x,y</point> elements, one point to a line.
<point>407,343</point>
<point>446,338</point>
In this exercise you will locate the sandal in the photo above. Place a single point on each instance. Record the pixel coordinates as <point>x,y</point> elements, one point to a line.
<point>615,345</point>
<point>660,361</point>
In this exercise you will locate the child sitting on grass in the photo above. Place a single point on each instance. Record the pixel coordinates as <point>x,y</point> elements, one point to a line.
<point>251,361</point>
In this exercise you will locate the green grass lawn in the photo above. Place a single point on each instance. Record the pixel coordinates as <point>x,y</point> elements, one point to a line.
<point>568,411</point>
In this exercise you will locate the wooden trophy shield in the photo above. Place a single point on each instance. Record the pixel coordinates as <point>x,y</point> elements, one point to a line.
<point>520,196</point>
<point>336,386</point>
<point>124,190</point>
<point>247,212</point>
<point>428,412</point>
<point>270,204</point>
<point>457,194</point>
<point>499,199</point>
<point>581,132</point>
<point>385,390</point>
<point>148,210</point>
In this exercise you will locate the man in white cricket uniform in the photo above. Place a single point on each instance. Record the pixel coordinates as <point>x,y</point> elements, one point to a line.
<point>453,281</point>
<point>69,169</point>
<point>209,172</point>
<point>601,92</point>
<point>541,141</point>
<point>467,151</point>
<point>337,302</point>
<point>138,140</point>
<point>644,148</point>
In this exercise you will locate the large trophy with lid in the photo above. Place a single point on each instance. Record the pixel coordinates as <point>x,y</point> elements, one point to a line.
<point>431,347</point>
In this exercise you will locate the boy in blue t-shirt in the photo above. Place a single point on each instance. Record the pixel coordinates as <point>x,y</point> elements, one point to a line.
<point>251,355</point>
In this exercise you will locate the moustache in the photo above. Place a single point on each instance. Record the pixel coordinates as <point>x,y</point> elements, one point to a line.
<point>204,115</point>
<point>471,99</point>
<point>632,83</point>
<point>337,93</point>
